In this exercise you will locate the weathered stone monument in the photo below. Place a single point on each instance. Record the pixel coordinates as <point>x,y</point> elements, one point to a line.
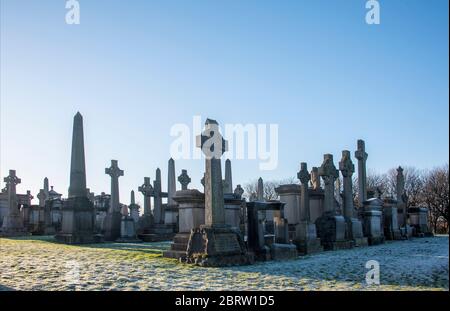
<point>354,229</point>
<point>78,217</point>
<point>361,155</point>
<point>191,210</point>
<point>114,216</point>
<point>146,220</point>
<point>305,236</point>
<point>418,219</point>
<point>390,219</point>
<point>262,248</point>
<point>402,205</point>
<point>215,243</point>
<point>228,177</point>
<point>13,221</point>
<point>330,226</point>
<point>128,225</point>
<point>171,209</point>
<point>134,209</point>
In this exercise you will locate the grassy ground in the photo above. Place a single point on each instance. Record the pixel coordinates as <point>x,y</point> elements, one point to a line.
<point>38,263</point>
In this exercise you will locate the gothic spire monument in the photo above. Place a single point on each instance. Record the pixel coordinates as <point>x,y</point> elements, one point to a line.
<point>78,220</point>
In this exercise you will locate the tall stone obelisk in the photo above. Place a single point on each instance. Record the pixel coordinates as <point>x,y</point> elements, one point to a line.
<point>78,217</point>
<point>228,177</point>
<point>171,209</point>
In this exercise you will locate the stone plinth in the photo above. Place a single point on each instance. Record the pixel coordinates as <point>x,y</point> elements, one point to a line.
<point>128,231</point>
<point>390,220</point>
<point>331,231</point>
<point>306,239</point>
<point>111,225</point>
<point>316,200</point>
<point>216,247</point>
<point>418,218</point>
<point>77,225</point>
<point>13,226</point>
<point>372,218</point>
<point>191,207</point>
<point>233,204</point>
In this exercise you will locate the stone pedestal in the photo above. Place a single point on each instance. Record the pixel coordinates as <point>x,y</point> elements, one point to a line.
<point>306,239</point>
<point>372,221</point>
<point>128,231</point>
<point>191,207</point>
<point>77,222</point>
<point>171,215</point>
<point>112,224</point>
<point>13,226</point>
<point>418,218</point>
<point>331,231</point>
<point>390,220</point>
<point>233,205</point>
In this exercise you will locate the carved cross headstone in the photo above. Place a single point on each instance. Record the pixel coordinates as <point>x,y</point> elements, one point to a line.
<point>115,172</point>
<point>184,180</point>
<point>347,169</point>
<point>304,177</point>
<point>329,173</point>
<point>362,155</point>
<point>11,182</point>
<point>213,147</point>
<point>147,190</point>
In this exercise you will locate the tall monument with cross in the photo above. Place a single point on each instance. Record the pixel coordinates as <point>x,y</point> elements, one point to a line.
<point>113,216</point>
<point>78,218</point>
<point>13,222</point>
<point>215,243</point>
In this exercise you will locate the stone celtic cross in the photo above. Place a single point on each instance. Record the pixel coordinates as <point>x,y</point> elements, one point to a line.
<point>184,180</point>
<point>213,147</point>
<point>329,173</point>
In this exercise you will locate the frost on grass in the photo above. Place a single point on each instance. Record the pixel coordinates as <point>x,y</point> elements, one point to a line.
<point>37,263</point>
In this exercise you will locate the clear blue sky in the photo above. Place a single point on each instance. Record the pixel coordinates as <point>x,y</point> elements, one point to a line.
<point>134,68</point>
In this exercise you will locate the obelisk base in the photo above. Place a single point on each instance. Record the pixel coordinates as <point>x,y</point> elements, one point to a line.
<point>77,222</point>
<point>217,246</point>
<point>112,226</point>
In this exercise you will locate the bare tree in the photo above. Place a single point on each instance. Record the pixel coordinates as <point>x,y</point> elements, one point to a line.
<point>436,197</point>
<point>251,188</point>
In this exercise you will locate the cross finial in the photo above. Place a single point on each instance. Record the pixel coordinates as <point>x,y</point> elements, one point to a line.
<point>146,189</point>
<point>361,153</point>
<point>239,191</point>
<point>328,171</point>
<point>114,170</point>
<point>211,141</point>
<point>12,179</point>
<point>303,175</point>
<point>184,179</point>
<point>346,165</point>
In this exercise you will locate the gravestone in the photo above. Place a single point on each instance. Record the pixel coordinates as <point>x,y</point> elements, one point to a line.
<point>113,216</point>
<point>128,225</point>
<point>228,177</point>
<point>191,209</point>
<point>402,205</point>
<point>184,180</point>
<point>134,209</point>
<point>418,218</point>
<point>361,155</point>
<point>13,222</point>
<point>372,220</point>
<point>330,226</point>
<point>78,218</point>
<point>215,243</point>
<point>171,209</point>
<point>146,221</point>
<point>278,249</point>
<point>390,219</point>
<point>354,229</point>
<point>306,236</point>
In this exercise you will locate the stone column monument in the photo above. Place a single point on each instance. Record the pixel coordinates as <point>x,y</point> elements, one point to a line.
<point>158,211</point>
<point>13,222</point>
<point>402,205</point>
<point>215,243</point>
<point>228,177</point>
<point>78,218</point>
<point>330,226</point>
<point>113,216</point>
<point>260,190</point>
<point>306,237</point>
<point>171,210</point>
<point>128,225</point>
<point>146,220</point>
<point>361,155</point>
<point>134,208</point>
<point>354,226</point>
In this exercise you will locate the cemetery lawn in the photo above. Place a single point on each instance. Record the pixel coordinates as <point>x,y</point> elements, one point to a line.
<point>38,263</point>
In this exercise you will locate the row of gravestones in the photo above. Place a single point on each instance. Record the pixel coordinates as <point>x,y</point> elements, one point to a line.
<point>210,225</point>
